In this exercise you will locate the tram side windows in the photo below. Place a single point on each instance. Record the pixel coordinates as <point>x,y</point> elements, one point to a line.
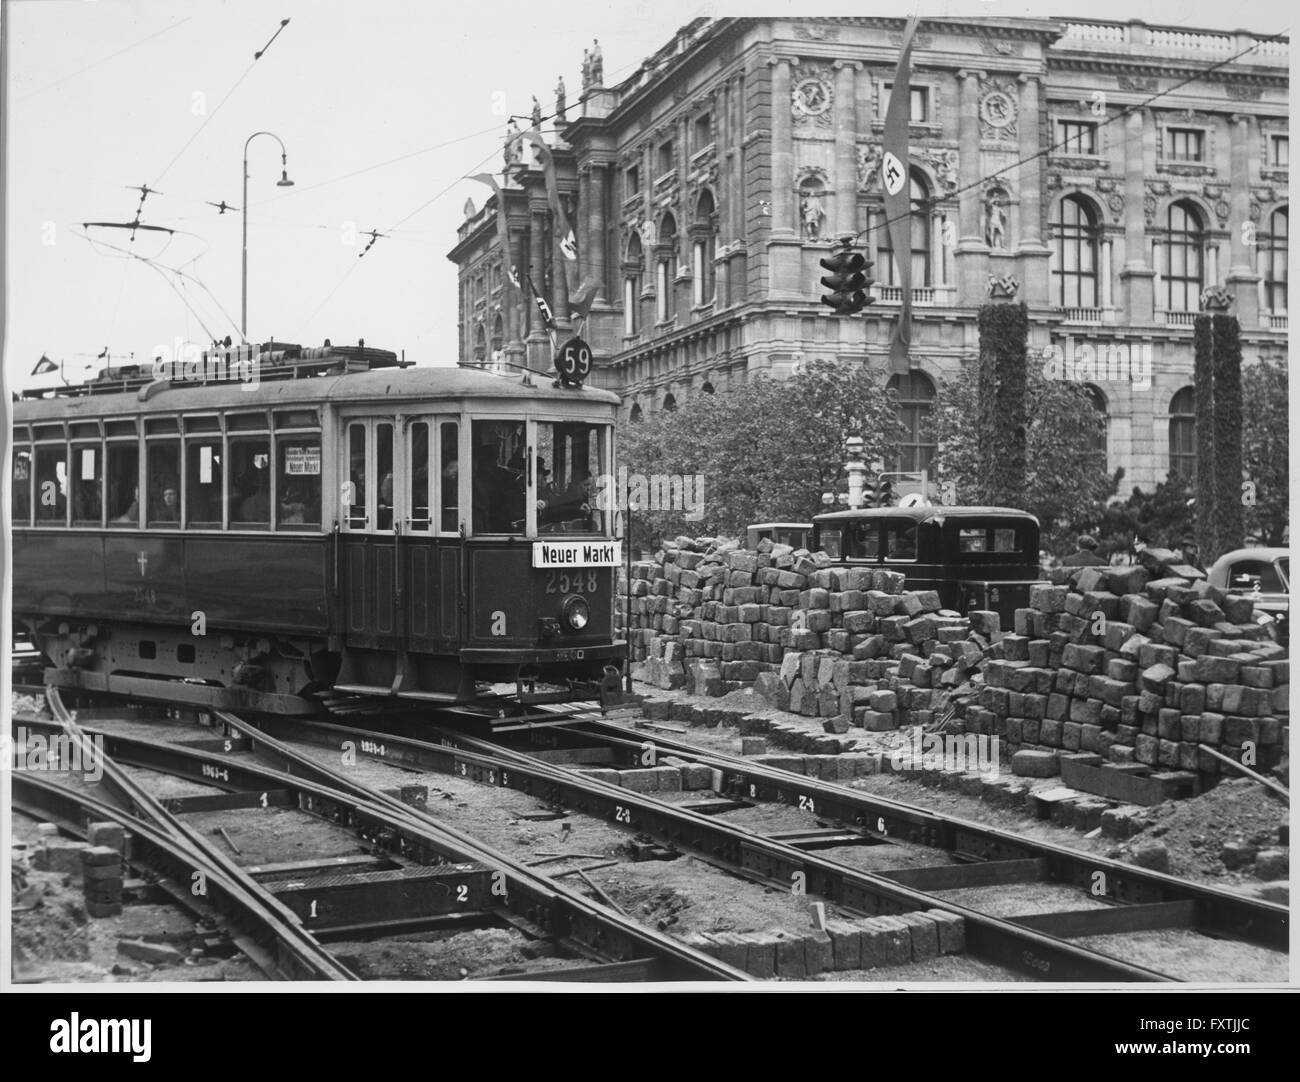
<point>418,467</point>
<point>569,473</point>
<point>384,475</point>
<point>162,483</point>
<point>87,484</point>
<point>298,482</point>
<point>203,483</point>
<point>354,488</point>
<point>250,483</point>
<point>498,481</point>
<point>20,492</point>
<point>450,475</point>
<point>122,467</point>
<point>52,485</point>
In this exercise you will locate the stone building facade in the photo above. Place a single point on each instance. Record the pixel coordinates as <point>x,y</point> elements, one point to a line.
<point>1115,169</point>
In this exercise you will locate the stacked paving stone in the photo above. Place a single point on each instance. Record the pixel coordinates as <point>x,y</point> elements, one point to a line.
<point>102,869</point>
<point>845,945</point>
<point>1135,665</point>
<point>1130,667</point>
<point>846,644</point>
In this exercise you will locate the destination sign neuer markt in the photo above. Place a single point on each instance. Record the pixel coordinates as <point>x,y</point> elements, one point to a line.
<point>577,553</point>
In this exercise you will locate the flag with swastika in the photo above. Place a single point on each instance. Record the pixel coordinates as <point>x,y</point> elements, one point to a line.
<point>894,178</point>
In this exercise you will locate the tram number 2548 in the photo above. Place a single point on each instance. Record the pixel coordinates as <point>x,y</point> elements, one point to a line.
<point>562,582</point>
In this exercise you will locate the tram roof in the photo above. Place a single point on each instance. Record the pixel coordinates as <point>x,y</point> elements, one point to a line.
<point>410,384</point>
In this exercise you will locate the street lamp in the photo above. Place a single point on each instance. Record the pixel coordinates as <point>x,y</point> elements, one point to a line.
<point>283,182</point>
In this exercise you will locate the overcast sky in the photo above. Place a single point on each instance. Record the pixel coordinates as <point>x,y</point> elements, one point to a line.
<point>105,94</point>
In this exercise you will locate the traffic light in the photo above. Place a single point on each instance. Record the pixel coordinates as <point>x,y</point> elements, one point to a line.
<point>885,493</point>
<point>847,280</point>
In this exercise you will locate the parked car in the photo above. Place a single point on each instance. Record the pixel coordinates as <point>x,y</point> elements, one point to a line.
<point>974,557</point>
<point>1262,574</point>
<point>794,534</point>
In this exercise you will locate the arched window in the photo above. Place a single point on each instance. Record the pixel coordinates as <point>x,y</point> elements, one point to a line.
<point>633,267</point>
<point>1098,399</point>
<point>635,415</point>
<point>665,268</point>
<point>886,268</point>
<point>480,343</point>
<point>1185,267</point>
<point>670,402</point>
<point>1272,257</point>
<point>703,247</point>
<point>498,335</point>
<point>707,388</point>
<point>915,402</point>
<point>1182,433</point>
<point>1074,272</point>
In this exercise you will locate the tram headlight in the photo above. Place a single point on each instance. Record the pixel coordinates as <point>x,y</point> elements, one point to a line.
<point>576,613</point>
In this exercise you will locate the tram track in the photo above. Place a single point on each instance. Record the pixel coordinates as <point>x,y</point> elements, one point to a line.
<point>447,872</point>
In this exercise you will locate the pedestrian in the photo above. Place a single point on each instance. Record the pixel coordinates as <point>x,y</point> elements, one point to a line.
<point>1085,554</point>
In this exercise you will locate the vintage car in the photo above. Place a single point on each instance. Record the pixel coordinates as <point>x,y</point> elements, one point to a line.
<point>974,557</point>
<point>794,534</point>
<point>1262,574</point>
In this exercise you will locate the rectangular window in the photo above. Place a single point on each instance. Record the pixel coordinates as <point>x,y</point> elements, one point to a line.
<point>1005,541</point>
<point>163,483</point>
<point>900,542</point>
<point>354,490</point>
<point>298,482</point>
<point>384,475</point>
<point>20,492</point>
<point>570,471</point>
<point>417,466</point>
<point>920,101</point>
<point>1077,137</point>
<point>632,181</point>
<point>87,484</point>
<point>52,485</point>
<point>498,481</point>
<point>1185,144</point>
<point>123,484</point>
<point>703,132</point>
<point>864,541</point>
<point>203,483</point>
<point>449,465</point>
<point>250,483</point>
<point>665,158</point>
<point>829,539</point>
<point>1279,151</point>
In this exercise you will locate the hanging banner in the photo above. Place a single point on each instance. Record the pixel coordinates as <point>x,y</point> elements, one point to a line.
<point>895,178</point>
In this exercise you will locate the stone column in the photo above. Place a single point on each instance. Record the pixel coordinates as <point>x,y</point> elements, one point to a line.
<point>1242,280</point>
<point>1033,253</point>
<point>1104,293</point>
<point>782,150</point>
<point>594,259</point>
<point>1137,277</point>
<point>970,258</point>
<point>516,310</point>
<point>846,134</point>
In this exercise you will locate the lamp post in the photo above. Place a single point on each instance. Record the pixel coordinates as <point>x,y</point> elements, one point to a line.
<point>283,182</point>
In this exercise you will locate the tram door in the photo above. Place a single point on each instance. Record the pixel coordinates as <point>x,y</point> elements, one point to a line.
<point>432,554</point>
<point>370,574</point>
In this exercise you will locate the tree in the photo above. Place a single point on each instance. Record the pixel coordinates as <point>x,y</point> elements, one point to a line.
<point>1066,484</point>
<point>1162,518</point>
<point>1265,447</point>
<point>765,450</point>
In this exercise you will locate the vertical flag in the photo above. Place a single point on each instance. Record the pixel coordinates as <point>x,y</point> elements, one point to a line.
<point>895,178</point>
<point>563,230</point>
<point>503,236</point>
